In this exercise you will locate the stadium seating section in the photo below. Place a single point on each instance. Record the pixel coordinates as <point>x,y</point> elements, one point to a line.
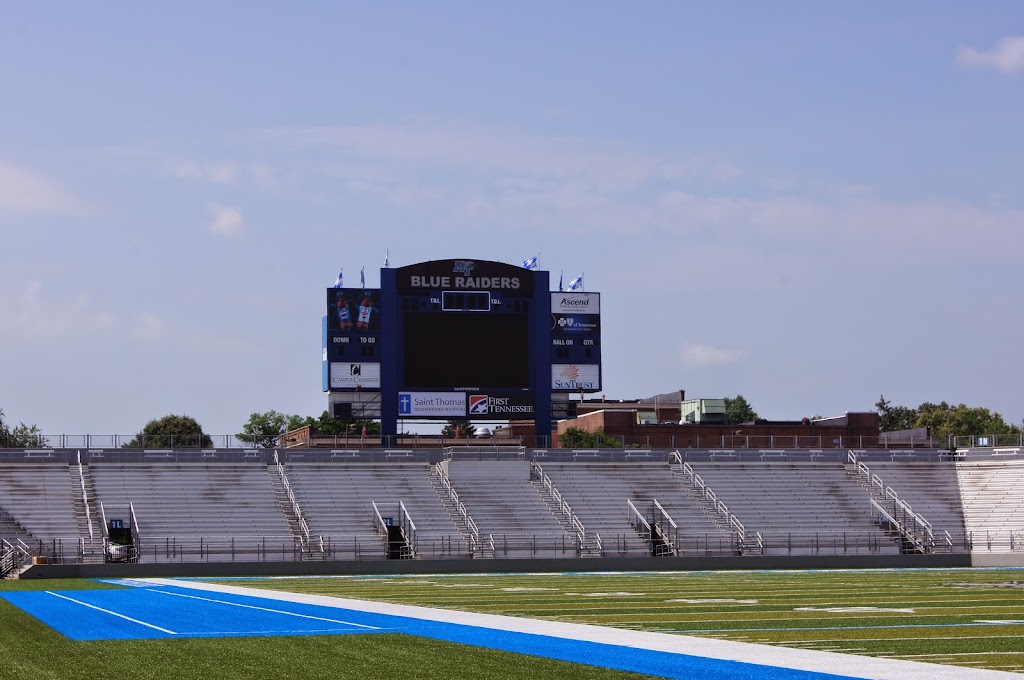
<point>308,505</point>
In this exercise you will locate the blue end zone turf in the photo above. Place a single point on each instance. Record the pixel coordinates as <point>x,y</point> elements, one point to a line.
<point>169,612</point>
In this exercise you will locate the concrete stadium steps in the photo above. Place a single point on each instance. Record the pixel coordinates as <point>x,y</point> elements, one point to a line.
<point>993,503</point>
<point>598,492</point>
<point>337,501</point>
<point>932,491</point>
<point>38,497</point>
<point>187,501</point>
<point>799,508</point>
<point>505,505</point>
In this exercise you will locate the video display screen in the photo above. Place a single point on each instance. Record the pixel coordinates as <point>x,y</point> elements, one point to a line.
<point>450,350</point>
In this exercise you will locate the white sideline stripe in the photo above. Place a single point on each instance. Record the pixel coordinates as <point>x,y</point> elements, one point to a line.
<point>265,609</point>
<point>870,668</point>
<point>112,613</point>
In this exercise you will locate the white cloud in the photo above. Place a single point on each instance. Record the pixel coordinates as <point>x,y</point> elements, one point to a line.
<point>699,356</point>
<point>29,312</point>
<point>509,153</point>
<point>226,220</point>
<point>23,191</point>
<point>1007,56</point>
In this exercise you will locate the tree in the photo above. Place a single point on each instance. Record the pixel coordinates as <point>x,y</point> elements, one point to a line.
<point>340,427</point>
<point>20,436</point>
<point>739,411</point>
<point>264,429</point>
<point>893,418</point>
<point>466,428</point>
<point>171,431</point>
<point>577,437</point>
<point>944,420</point>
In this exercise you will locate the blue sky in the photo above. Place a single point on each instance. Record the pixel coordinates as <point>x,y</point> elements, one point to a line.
<point>810,204</point>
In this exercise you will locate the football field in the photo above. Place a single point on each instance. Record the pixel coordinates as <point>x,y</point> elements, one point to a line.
<point>565,625</point>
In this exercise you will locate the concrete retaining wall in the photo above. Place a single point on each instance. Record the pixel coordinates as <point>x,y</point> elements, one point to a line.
<point>221,569</point>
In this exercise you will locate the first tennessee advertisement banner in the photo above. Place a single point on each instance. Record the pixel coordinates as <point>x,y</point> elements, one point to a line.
<point>476,406</point>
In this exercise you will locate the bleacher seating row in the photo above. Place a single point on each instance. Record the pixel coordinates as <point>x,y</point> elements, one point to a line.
<point>241,510</point>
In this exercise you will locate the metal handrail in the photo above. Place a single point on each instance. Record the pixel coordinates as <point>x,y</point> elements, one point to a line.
<point>459,506</point>
<point>408,527</point>
<point>85,496</point>
<point>380,527</point>
<point>718,506</point>
<point>637,515</point>
<point>563,505</point>
<point>673,531</point>
<point>876,485</point>
<point>296,508</point>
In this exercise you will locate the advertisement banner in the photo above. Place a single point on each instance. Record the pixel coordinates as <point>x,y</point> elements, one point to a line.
<point>353,309</point>
<point>576,377</point>
<point>500,406</point>
<point>575,303</point>
<point>576,323</point>
<point>346,375</point>
<point>432,404</point>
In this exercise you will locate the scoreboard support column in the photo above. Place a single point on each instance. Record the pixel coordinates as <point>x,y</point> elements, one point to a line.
<point>541,351</point>
<point>389,358</point>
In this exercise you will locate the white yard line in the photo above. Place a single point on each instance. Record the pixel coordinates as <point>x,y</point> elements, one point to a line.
<point>265,609</point>
<point>872,668</point>
<point>112,613</point>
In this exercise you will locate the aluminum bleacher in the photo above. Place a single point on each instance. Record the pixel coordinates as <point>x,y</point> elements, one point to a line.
<point>37,500</point>
<point>993,503</point>
<point>598,493</point>
<point>196,511</point>
<point>799,508</point>
<point>509,510</point>
<point>193,505</point>
<point>338,502</point>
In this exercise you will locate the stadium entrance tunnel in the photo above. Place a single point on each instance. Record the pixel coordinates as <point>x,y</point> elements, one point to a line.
<point>398,545</point>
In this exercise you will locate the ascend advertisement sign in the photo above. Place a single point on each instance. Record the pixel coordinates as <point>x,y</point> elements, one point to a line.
<point>574,377</point>
<point>575,303</point>
<point>347,375</point>
<point>432,404</point>
<point>500,406</point>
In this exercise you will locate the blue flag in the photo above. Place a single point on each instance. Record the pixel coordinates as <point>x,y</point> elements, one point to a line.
<point>338,283</point>
<point>577,283</point>
<point>387,257</point>
<point>560,275</point>
<point>362,277</point>
<point>531,263</point>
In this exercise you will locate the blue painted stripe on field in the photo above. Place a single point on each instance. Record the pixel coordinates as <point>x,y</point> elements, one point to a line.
<point>169,612</point>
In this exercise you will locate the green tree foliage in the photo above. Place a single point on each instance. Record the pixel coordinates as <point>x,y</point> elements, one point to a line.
<point>264,429</point>
<point>739,410</point>
<point>578,438</point>
<point>171,431</point>
<point>340,427</point>
<point>942,419</point>
<point>466,428</point>
<point>20,436</point>
<point>893,418</point>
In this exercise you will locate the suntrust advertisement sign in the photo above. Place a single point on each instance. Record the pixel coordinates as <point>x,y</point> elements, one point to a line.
<point>575,377</point>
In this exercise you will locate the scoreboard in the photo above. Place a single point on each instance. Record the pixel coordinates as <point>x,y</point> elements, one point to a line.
<point>351,339</point>
<point>575,342</point>
<point>454,339</point>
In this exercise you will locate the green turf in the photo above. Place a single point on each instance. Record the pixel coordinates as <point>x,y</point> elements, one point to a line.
<point>782,608</point>
<point>30,649</point>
